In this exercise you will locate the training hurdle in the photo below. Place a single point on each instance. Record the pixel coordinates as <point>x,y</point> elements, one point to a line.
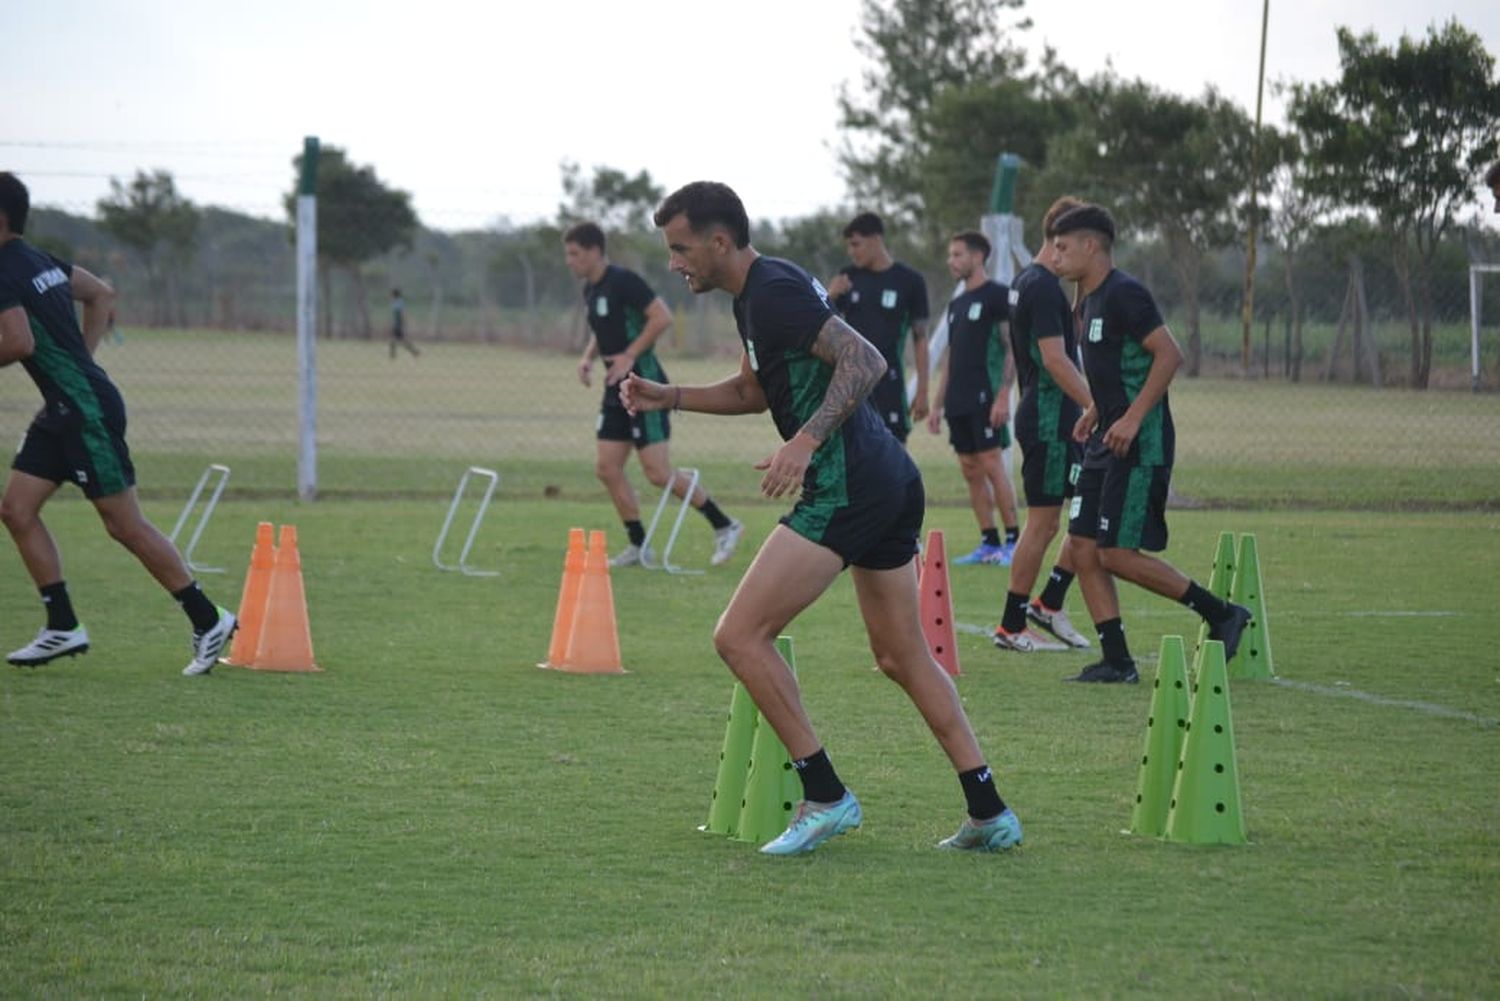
<point>208,512</point>
<point>462,566</point>
<point>665,563</point>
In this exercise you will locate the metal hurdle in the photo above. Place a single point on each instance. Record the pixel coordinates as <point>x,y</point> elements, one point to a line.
<point>484,503</point>
<point>682,510</point>
<point>208,512</point>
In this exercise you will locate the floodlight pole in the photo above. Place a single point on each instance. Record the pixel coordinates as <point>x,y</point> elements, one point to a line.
<point>1247,311</point>
<point>307,322</point>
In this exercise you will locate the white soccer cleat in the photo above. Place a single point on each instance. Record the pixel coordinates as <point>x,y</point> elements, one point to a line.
<point>49,645</point>
<point>726,540</point>
<point>632,556</point>
<point>1058,624</point>
<point>209,644</point>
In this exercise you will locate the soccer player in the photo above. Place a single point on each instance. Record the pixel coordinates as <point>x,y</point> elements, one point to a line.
<point>398,325</point>
<point>861,505</point>
<point>1053,396</point>
<point>1120,503</point>
<point>625,319</point>
<point>79,435</point>
<point>885,301</point>
<point>973,395</point>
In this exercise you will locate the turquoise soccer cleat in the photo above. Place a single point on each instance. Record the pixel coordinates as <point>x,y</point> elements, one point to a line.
<point>994,835</point>
<point>814,824</point>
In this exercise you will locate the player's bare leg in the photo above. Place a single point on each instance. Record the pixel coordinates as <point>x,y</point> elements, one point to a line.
<point>20,509</point>
<point>1003,491</point>
<point>656,463</point>
<point>609,466</point>
<point>122,517</point>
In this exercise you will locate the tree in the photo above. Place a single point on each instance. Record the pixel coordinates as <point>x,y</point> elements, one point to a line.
<point>1401,136</point>
<point>359,218</point>
<point>1293,219</point>
<point>152,218</point>
<point>611,198</point>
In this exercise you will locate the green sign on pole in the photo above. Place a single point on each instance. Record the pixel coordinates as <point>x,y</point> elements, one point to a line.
<point>1003,194</point>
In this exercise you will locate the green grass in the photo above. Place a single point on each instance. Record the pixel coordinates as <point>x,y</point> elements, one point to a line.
<point>433,816</point>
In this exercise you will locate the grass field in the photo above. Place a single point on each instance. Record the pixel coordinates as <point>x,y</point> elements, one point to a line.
<point>433,816</point>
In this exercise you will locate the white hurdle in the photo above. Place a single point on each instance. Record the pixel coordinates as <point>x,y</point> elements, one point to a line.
<point>208,512</point>
<point>462,565</point>
<point>682,510</point>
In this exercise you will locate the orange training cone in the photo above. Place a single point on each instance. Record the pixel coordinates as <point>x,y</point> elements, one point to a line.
<point>567,599</point>
<point>594,640</point>
<point>285,636</point>
<point>253,598</point>
<point>937,604</point>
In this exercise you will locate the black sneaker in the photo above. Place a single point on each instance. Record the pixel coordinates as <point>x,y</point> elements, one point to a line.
<point>1109,673</point>
<point>1230,630</point>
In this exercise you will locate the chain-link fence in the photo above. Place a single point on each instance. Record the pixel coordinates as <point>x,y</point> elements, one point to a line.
<point>204,353</point>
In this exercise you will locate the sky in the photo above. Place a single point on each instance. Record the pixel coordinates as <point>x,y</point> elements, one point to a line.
<point>471,107</point>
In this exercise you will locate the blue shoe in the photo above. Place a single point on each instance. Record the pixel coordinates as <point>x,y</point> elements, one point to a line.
<point>994,835</point>
<point>981,554</point>
<point>814,824</point>
<point>1001,554</point>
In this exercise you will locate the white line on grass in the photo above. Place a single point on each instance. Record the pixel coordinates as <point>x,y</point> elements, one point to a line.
<point>1430,708</point>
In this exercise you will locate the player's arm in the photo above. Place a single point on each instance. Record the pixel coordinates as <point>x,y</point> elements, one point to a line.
<point>945,362</point>
<point>16,341</point>
<point>98,300</point>
<point>1055,360</point>
<point>658,320</point>
<point>738,394</point>
<point>920,359</point>
<point>1000,409</point>
<point>1166,359</point>
<point>586,361</point>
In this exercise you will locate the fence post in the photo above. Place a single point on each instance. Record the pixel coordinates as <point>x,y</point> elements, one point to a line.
<point>307,322</point>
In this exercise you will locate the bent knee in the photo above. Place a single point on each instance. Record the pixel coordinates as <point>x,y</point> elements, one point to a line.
<point>658,477</point>
<point>1112,559</point>
<point>17,517</point>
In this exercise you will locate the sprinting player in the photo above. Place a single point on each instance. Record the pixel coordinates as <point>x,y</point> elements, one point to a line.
<point>625,319</point>
<point>886,301</point>
<point>398,325</point>
<point>1053,396</point>
<point>975,398</point>
<point>1120,505</point>
<point>861,505</point>
<point>79,435</point>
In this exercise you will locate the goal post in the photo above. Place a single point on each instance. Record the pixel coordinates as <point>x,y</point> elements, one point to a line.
<point>1475,310</point>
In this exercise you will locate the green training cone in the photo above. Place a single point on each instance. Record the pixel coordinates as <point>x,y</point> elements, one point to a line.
<point>772,787</point>
<point>1205,807</point>
<point>734,764</point>
<point>1220,580</point>
<point>1253,659</point>
<point>1165,728</point>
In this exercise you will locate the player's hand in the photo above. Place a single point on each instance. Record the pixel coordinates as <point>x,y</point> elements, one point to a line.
<point>1121,434</point>
<point>935,420</point>
<point>919,409</point>
<point>1084,426</point>
<point>585,371</point>
<point>642,395</point>
<point>619,367</point>
<point>838,285</point>
<point>1000,412</point>
<point>784,470</point>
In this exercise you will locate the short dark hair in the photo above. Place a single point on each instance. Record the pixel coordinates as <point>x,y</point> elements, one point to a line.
<point>15,202</point>
<point>865,224</point>
<point>974,240</point>
<point>395,292</point>
<point>707,203</point>
<point>1049,221</point>
<point>1093,218</point>
<point>586,234</point>
<point>1491,176</point>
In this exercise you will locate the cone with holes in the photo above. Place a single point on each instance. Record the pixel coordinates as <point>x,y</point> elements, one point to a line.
<point>734,765</point>
<point>253,597</point>
<point>936,607</point>
<point>772,787</point>
<point>567,598</point>
<point>594,638</point>
<point>1220,580</point>
<point>1205,806</point>
<point>285,635</point>
<point>1165,728</point>
<point>1253,658</point>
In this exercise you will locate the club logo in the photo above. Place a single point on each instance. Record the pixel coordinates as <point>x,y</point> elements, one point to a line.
<point>750,350</point>
<point>1096,330</point>
<point>976,310</point>
<point>601,306</point>
<point>888,298</point>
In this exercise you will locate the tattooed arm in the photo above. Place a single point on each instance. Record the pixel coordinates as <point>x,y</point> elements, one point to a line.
<point>857,367</point>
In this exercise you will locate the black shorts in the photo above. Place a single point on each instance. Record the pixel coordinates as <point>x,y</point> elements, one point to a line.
<point>1049,469</point>
<point>972,433</point>
<point>616,424</point>
<point>87,450</point>
<point>1122,506</point>
<point>876,531</point>
<point>889,400</point>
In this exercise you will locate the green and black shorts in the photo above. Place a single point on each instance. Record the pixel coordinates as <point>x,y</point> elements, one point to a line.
<point>1122,505</point>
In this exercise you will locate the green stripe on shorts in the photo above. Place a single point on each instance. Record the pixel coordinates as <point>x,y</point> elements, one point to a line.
<point>1055,468</point>
<point>653,427</point>
<point>1137,504</point>
<point>811,521</point>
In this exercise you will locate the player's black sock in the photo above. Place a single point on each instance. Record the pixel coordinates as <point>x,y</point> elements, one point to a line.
<point>1056,589</point>
<point>1014,620</point>
<point>636,532</point>
<point>1112,641</point>
<point>1012,533</point>
<point>1214,610</point>
<point>979,789</point>
<point>820,783</point>
<point>715,517</point>
<point>59,608</point>
<point>990,536</point>
<point>197,606</point>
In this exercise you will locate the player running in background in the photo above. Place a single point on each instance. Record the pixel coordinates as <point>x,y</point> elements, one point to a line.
<point>974,397</point>
<point>1053,396</point>
<point>886,301</point>
<point>861,505</point>
<point>1120,505</point>
<point>625,319</point>
<point>79,435</point>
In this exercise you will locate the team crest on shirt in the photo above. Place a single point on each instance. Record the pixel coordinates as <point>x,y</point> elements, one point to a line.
<point>854,296</point>
<point>750,350</point>
<point>888,298</point>
<point>976,310</point>
<point>818,288</point>
<point>1014,297</point>
<point>1096,330</point>
<point>601,306</point>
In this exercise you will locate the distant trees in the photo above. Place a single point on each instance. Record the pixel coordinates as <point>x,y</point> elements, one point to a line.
<point>154,220</point>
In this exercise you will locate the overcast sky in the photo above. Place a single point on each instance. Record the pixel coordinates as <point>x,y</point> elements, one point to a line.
<point>470,107</point>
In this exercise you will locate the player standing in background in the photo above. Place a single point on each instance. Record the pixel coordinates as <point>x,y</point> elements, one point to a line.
<point>79,435</point>
<point>861,505</point>
<point>885,301</point>
<point>974,397</point>
<point>1120,504</point>
<point>625,319</point>
<point>398,325</point>
<point>1053,396</point>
